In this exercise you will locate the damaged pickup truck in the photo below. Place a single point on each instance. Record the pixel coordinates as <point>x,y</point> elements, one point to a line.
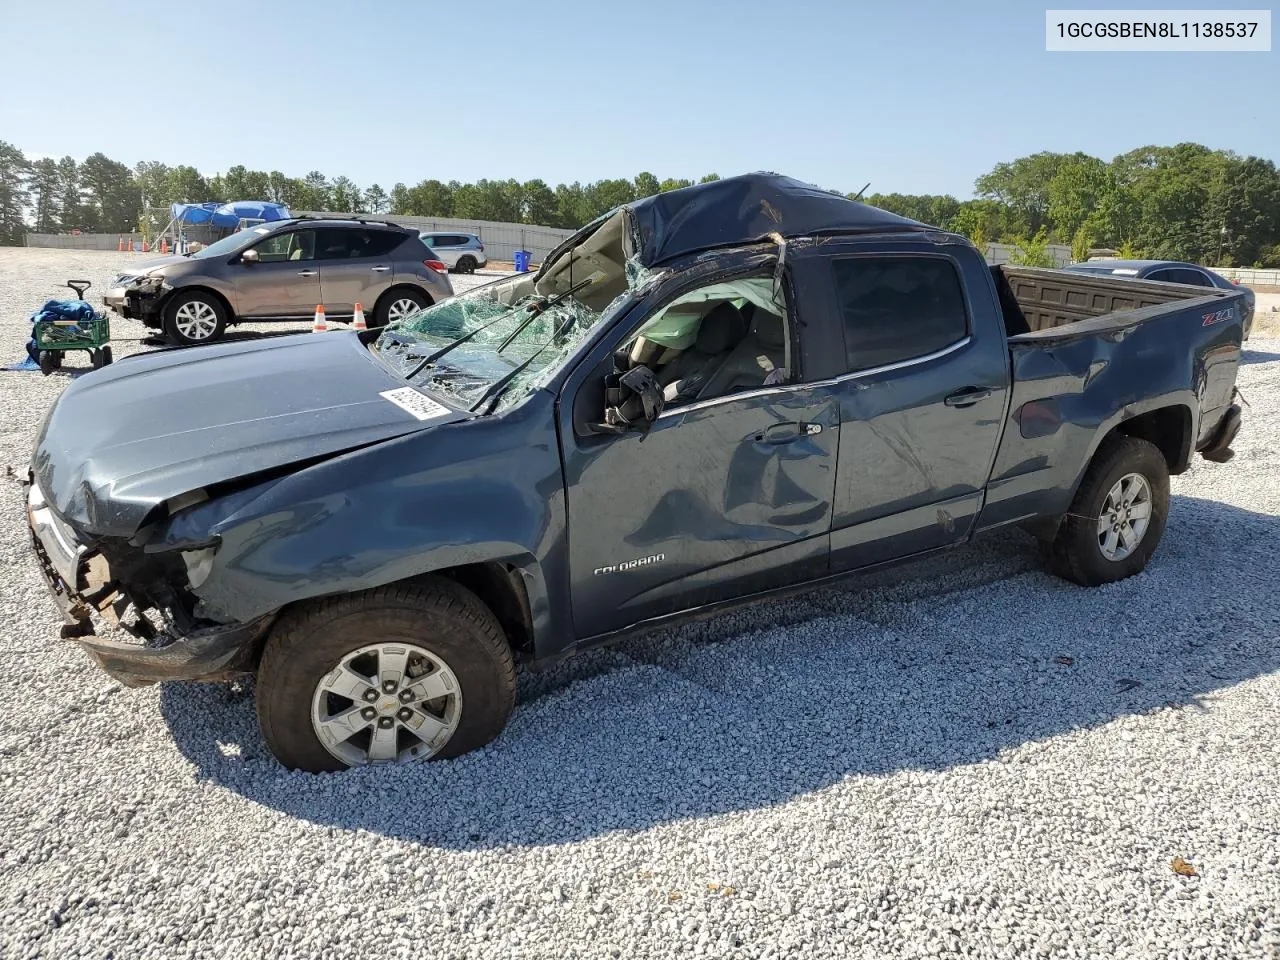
<point>707,397</point>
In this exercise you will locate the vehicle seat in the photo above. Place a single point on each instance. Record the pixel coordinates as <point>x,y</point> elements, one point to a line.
<point>722,329</point>
<point>758,359</point>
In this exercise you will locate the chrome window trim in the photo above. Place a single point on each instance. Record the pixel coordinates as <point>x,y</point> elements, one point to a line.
<point>834,381</point>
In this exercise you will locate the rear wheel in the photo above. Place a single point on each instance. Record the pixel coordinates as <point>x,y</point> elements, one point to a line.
<point>106,355</point>
<point>50,360</point>
<point>397,304</point>
<point>401,673</point>
<point>466,264</point>
<point>194,318</point>
<point>1118,515</point>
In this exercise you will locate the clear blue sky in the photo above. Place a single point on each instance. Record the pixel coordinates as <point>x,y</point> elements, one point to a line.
<point>916,97</point>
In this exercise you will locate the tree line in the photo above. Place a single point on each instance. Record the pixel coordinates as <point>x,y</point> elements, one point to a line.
<point>1184,202</point>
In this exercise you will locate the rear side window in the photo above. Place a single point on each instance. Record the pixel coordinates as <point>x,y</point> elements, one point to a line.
<point>339,244</point>
<point>898,308</point>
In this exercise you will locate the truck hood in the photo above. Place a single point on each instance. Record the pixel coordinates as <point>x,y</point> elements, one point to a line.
<point>123,440</point>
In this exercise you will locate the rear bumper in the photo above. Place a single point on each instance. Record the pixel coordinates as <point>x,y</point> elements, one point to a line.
<point>1218,449</point>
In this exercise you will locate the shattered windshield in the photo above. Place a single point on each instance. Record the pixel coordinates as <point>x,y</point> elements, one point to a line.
<point>490,348</point>
<point>469,331</point>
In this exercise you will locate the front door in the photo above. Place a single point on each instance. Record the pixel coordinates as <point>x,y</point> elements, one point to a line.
<point>284,283</point>
<point>355,267</point>
<point>724,496</point>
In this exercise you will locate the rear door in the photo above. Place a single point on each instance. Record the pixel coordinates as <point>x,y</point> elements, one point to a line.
<point>284,283</point>
<point>922,396</point>
<point>355,266</point>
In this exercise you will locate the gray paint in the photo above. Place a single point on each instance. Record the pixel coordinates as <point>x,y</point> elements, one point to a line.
<point>322,487</point>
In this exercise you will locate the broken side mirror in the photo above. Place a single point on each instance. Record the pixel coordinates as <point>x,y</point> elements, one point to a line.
<point>633,401</point>
<point>249,258</point>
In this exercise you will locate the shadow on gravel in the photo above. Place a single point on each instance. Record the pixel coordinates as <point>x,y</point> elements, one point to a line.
<point>947,662</point>
<point>1258,356</point>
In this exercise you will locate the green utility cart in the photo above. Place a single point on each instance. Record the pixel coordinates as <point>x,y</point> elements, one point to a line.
<point>53,337</point>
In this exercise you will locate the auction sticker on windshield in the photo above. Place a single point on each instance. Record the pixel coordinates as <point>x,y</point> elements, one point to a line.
<point>422,407</point>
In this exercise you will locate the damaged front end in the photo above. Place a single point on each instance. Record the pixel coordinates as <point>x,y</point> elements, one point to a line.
<point>147,593</point>
<point>138,298</point>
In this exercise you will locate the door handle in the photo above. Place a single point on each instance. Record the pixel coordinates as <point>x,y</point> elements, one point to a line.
<point>967,397</point>
<point>306,273</point>
<point>787,432</point>
<point>379,269</point>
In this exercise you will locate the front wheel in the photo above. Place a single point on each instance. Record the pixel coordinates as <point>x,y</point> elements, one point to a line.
<point>401,673</point>
<point>194,318</point>
<point>1118,515</point>
<point>466,264</point>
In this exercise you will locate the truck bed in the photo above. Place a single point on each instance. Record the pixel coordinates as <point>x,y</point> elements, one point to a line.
<point>1035,300</point>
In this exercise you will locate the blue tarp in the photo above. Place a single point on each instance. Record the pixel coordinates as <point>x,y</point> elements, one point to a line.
<point>228,215</point>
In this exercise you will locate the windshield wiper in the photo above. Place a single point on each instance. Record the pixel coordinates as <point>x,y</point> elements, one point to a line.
<point>495,391</point>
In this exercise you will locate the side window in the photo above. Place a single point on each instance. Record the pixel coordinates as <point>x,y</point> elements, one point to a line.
<point>430,239</point>
<point>1195,278</point>
<point>714,341</point>
<point>335,244</point>
<point>382,242</point>
<point>292,245</point>
<point>1164,276</point>
<point>898,308</point>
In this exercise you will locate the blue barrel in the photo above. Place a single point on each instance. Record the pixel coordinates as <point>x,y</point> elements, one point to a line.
<point>522,261</point>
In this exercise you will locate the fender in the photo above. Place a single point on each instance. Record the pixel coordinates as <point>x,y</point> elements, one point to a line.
<point>485,489</point>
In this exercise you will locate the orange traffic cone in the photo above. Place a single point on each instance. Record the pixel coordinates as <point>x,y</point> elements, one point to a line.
<point>145,248</point>
<point>119,243</point>
<point>164,246</point>
<point>357,322</point>
<point>319,326</point>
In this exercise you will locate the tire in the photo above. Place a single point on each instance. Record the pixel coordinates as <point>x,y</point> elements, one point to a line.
<point>466,264</point>
<point>436,616</point>
<point>50,361</point>
<point>194,318</point>
<point>106,355</point>
<point>1080,551</point>
<point>392,305</point>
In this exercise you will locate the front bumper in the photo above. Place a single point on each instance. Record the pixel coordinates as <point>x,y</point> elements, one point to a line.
<point>212,653</point>
<point>133,304</point>
<point>81,585</point>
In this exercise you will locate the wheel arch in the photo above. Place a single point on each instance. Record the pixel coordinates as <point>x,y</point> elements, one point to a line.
<point>386,295</point>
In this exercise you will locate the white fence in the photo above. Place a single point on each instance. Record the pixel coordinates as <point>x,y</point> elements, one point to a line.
<point>83,241</point>
<point>501,240</point>
<point>1250,277</point>
<point>998,253</point>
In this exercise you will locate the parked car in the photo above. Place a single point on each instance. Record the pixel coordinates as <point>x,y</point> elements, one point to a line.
<point>463,252</point>
<point>281,271</point>
<point>707,397</point>
<point>1171,271</point>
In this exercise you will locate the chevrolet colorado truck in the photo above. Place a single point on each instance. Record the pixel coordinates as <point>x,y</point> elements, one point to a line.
<point>703,398</point>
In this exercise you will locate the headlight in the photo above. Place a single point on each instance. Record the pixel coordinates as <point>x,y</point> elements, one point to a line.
<point>199,564</point>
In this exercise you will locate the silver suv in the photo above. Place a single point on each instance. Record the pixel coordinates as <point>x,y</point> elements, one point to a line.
<point>281,271</point>
<point>462,252</point>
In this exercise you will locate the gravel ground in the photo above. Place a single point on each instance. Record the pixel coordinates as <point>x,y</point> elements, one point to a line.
<point>964,757</point>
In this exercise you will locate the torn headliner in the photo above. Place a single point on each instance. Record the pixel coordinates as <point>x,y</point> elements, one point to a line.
<point>747,209</point>
<point>734,212</point>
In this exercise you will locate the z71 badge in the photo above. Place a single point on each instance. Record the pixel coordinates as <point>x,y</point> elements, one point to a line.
<point>1222,315</point>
